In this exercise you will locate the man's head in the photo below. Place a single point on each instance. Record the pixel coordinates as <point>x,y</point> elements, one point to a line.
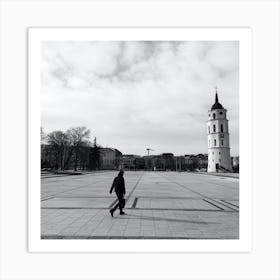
<point>121,173</point>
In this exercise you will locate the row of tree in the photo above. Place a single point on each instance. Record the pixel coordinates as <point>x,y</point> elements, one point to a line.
<point>69,150</point>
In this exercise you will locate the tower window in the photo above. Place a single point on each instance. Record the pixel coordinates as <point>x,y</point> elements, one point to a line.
<point>208,129</point>
<point>222,128</point>
<point>222,142</point>
<point>214,128</point>
<point>215,142</point>
<point>214,116</point>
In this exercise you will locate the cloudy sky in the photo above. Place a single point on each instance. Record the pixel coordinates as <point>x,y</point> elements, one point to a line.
<point>135,95</point>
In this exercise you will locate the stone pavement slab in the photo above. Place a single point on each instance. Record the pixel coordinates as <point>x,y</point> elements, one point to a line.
<point>159,205</point>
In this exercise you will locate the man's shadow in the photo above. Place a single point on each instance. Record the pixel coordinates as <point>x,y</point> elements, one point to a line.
<point>149,218</point>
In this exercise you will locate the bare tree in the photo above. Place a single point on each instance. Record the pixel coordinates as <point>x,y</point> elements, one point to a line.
<point>58,140</point>
<point>77,137</point>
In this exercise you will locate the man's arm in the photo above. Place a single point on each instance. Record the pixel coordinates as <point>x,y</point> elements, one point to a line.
<point>123,186</point>
<point>113,185</point>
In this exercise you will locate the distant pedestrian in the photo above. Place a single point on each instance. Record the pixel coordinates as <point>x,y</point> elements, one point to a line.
<point>119,186</point>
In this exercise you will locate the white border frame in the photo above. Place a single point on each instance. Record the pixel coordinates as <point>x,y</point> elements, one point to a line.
<point>243,35</point>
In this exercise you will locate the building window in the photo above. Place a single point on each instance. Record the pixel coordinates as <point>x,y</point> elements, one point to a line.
<point>221,113</point>
<point>214,116</point>
<point>222,142</point>
<point>208,129</point>
<point>220,160</point>
<point>214,128</point>
<point>222,128</point>
<point>212,153</point>
<point>219,153</point>
<point>215,142</point>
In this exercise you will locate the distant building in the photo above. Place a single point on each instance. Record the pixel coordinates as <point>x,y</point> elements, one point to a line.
<point>218,139</point>
<point>153,162</point>
<point>196,162</point>
<point>189,162</point>
<point>235,163</point>
<point>168,160</point>
<point>163,162</point>
<point>149,162</point>
<point>202,161</point>
<point>109,158</point>
<point>179,163</point>
<point>132,162</point>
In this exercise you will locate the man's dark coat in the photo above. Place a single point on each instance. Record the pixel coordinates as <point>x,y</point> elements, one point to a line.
<point>118,185</point>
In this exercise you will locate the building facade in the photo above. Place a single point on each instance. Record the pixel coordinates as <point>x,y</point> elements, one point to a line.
<point>218,139</point>
<point>132,162</point>
<point>109,158</point>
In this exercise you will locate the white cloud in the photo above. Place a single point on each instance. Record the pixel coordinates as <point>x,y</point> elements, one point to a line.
<point>138,94</point>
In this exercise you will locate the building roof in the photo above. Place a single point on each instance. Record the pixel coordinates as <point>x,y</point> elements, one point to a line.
<point>130,156</point>
<point>217,105</point>
<point>107,149</point>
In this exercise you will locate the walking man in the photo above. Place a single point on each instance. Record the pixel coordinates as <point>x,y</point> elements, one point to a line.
<point>119,186</point>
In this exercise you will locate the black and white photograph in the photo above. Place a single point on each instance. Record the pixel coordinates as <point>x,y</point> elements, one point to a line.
<point>139,139</point>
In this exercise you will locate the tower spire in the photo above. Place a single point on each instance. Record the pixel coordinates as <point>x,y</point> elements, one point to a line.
<point>216,105</point>
<point>216,97</point>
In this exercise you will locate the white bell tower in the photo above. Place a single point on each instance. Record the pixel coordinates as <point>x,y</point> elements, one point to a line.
<point>218,139</point>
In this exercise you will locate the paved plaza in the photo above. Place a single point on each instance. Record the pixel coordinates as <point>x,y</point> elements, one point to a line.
<point>159,205</point>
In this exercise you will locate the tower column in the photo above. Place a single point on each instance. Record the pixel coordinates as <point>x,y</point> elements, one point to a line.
<point>218,139</point>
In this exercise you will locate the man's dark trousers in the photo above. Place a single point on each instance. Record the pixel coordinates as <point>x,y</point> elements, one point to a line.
<point>120,204</point>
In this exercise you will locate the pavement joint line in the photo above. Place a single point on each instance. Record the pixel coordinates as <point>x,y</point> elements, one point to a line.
<point>222,176</point>
<point>138,196</point>
<point>213,204</point>
<point>230,203</point>
<point>139,208</point>
<point>53,195</point>
<point>47,198</point>
<point>183,186</point>
<point>122,237</point>
<point>219,202</point>
<point>216,184</point>
<point>84,196</point>
<point>133,189</point>
<point>208,198</point>
<point>75,175</point>
<point>113,203</point>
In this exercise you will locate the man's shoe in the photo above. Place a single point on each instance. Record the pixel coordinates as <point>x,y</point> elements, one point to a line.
<point>122,213</point>
<point>112,212</point>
